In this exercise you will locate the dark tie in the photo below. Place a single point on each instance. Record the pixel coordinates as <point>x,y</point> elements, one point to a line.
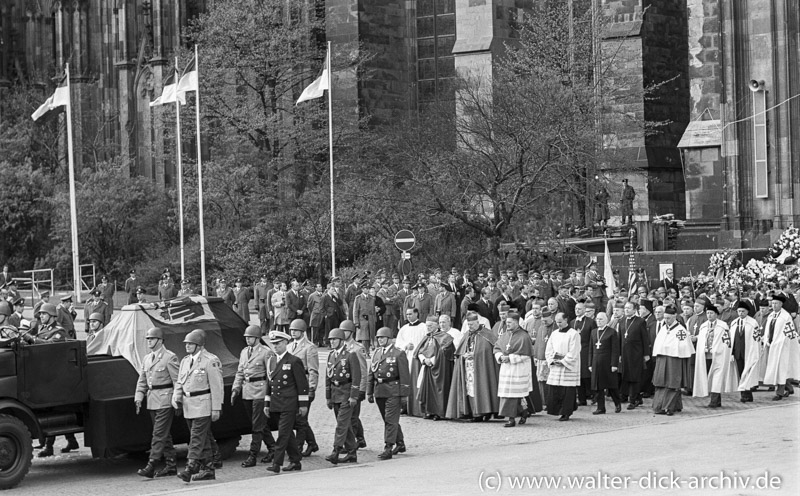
<point>740,331</point>
<point>249,352</point>
<point>771,330</point>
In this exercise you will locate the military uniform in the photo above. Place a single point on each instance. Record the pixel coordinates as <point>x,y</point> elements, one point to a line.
<point>199,388</point>
<point>157,382</point>
<point>251,382</point>
<point>287,392</point>
<point>96,305</point>
<point>361,353</point>
<point>66,319</point>
<point>342,382</point>
<point>308,354</point>
<point>389,382</point>
<point>261,296</point>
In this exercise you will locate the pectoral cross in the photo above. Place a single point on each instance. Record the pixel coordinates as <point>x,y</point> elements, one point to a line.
<point>626,334</point>
<point>597,345</point>
<point>508,346</point>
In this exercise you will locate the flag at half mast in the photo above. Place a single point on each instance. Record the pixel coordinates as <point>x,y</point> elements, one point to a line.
<point>169,94</point>
<point>317,88</point>
<point>188,81</point>
<point>59,98</point>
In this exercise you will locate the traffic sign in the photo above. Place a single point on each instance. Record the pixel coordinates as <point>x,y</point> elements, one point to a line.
<point>405,240</point>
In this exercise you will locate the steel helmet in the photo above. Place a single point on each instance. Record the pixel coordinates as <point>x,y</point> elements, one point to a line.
<point>336,334</point>
<point>384,332</point>
<point>5,308</point>
<point>96,316</point>
<point>252,331</point>
<point>155,332</point>
<point>298,325</point>
<point>49,309</point>
<point>347,325</point>
<point>197,337</point>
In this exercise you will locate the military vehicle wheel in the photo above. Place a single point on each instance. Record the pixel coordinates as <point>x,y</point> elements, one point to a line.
<point>228,445</point>
<point>16,451</point>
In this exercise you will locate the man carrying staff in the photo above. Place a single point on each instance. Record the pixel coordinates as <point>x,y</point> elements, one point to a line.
<point>673,351</point>
<point>514,352</point>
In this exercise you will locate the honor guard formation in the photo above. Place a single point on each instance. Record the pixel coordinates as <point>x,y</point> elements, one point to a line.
<point>443,346</point>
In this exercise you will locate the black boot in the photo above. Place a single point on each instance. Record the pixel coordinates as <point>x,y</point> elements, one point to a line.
<point>206,472</point>
<point>387,453</point>
<point>149,470</point>
<point>311,448</point>
<point>351,456</point>
<point>334,456</point>
<point>216,461</point>
<point>47,451</point>
<point>72,444</point>
<point>171,468</point>
<point>192,467</point>
<point>250,462</point>
<point>270,456</point>
<point>400,447</point>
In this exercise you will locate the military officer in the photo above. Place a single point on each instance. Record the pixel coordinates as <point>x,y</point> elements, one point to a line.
<point>131,285</point>
<point>260,294</point>
<point>50,332</point>
<point>140,295</point>
<point>7,331</point>
<point>199,390</point>
<point>287,397</point>
<point>342,380</point>
<point>251,385</point>
<point>96,305</point>
<point>306,351</point>
<point>156,382</point>
<point>353,346</point>
<point>186,288</point>
<point>389,382</point>
<point>66,315</point>
<point>95,325</point>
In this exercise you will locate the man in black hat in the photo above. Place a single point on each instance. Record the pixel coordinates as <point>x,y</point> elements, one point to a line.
<point>713,372</point>
<point>747,349</point>
<point>96,304</point>
<point>351,293</point>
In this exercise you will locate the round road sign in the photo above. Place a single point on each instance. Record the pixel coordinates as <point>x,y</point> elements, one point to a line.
<point>405,240</point>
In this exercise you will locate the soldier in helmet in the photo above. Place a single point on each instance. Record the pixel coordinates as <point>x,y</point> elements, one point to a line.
<point>287,397</point>
<point>50,332</point>
<point>306,351</point>
<point>200,392</point>
<point>353,346</point>
<point>156,382</point>
<point>342,380</point>
<point>389,382</point>
<point>251,385</point>
<point>7,331</point>
<point>96,305</point>
<point>95,324</point>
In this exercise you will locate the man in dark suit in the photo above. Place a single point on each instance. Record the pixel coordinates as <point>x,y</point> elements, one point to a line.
<point>287,397</point>
<point>584,325</point>
<point>566,302</point>
<point>635,352</point>
<point>669,281</point>
<point>351,293</point>
<point>295,301</point>
<point>485,306</point>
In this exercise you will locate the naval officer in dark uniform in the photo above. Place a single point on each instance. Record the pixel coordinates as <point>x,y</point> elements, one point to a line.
<point>287,397</point>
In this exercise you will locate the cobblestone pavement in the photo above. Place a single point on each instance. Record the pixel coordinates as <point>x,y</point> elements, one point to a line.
<point>78,473</point>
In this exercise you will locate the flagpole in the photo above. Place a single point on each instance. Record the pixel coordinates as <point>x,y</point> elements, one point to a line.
<point>330,153</point>
<point>73,210</point>
<point>200,178</point>
<point>180,167</point>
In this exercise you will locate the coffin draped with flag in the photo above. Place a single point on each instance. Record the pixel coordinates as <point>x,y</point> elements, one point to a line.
<point>124,336</point>
<point>115,358</point>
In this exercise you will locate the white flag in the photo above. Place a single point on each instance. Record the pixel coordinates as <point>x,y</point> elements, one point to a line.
<point>317,88</point>
<point>169,94</point>
<point>58,98</point>
<point>608,273</point>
